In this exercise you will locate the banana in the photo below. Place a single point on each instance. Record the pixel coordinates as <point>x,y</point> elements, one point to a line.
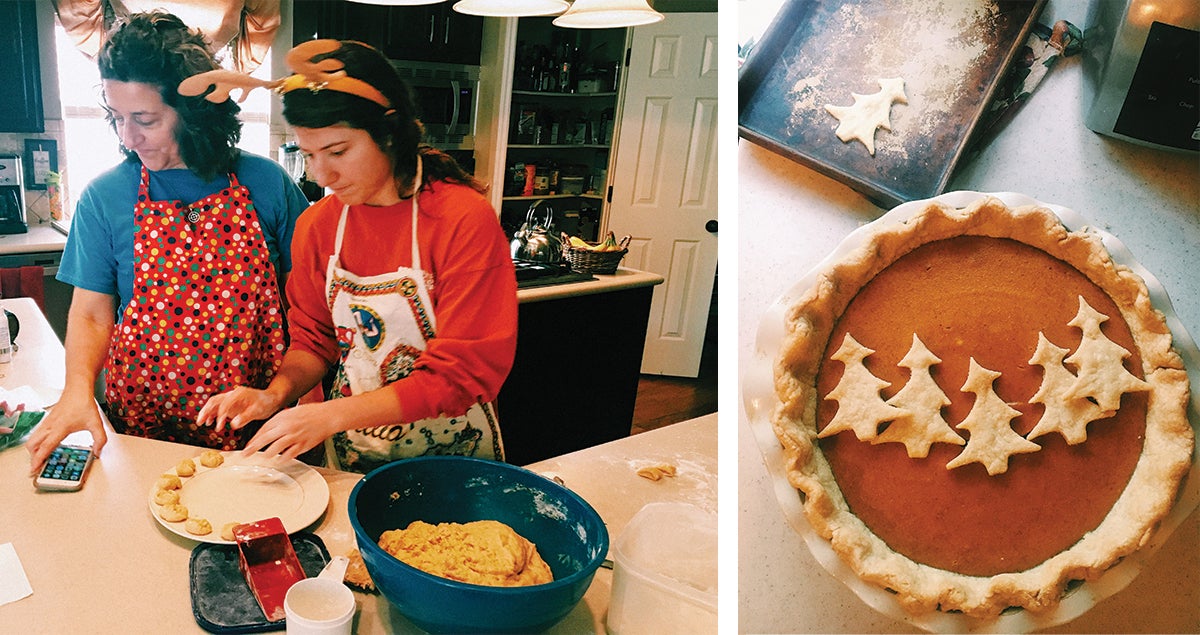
<point>579,243</point>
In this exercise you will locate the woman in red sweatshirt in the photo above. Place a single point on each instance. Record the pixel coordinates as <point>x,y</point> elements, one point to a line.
<point>402,284</point>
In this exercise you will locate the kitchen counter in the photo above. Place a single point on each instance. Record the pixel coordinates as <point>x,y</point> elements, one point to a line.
<point>98,562</point>
<point>40,238</point>
<point>622,279</point>
<point>790,217</point>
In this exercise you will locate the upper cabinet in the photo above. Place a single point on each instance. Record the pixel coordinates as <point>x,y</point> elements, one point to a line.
<point>21,98</point>
<point>424,33</point>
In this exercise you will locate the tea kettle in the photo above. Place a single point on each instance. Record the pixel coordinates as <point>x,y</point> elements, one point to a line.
<point>534,242</point>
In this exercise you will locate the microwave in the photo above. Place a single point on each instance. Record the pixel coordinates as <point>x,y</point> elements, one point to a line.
<point>446,96</point>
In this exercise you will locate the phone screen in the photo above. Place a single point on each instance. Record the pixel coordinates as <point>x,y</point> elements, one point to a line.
<point>66,463</point>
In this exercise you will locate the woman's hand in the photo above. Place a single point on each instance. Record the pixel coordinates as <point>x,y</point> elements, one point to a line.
<point>67,416</point>
<point>238,407</point>
<point>294,431</point>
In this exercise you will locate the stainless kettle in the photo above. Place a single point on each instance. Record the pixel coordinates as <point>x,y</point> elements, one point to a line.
<point>534,242</point>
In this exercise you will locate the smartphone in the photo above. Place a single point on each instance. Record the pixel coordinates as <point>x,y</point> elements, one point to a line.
<point>66,468</point>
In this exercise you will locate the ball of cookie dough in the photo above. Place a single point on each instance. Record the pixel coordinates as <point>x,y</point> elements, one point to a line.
<point>173,513</point>
<point>169,481</point>
<point>211,458</point>
<point>166,497</point>
<point>227,531</point>
<point>186,467</point>
<point>198,526</point>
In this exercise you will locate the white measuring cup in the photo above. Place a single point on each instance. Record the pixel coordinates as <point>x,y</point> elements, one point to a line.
<point>321,605</point>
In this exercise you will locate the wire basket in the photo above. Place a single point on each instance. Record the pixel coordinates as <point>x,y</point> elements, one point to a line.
<point>588,261</point>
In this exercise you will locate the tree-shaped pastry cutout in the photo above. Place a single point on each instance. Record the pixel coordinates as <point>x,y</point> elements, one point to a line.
<point>1063,414</point>
<point>921,424</point>
<point>859,121</point>
<point>1100,375</point>
<point>860,408</point>
<point>990,424</point>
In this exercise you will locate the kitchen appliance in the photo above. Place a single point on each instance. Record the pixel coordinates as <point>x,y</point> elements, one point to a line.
<point>12,196</point>
<point>446,96</point>
<point>1140,68</point>
<point>534,241</point>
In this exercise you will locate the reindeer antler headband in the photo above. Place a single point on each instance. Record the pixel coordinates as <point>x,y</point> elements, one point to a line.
<point>326,74</point>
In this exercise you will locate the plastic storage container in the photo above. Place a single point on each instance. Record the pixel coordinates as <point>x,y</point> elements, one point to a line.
<point>665,572</point>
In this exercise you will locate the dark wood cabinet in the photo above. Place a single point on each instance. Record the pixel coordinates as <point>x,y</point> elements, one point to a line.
<point>20,74</point>
<point>575,377</point>
<point>424,33</point>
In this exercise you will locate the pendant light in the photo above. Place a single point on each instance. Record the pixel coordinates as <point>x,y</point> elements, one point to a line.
<point>397,3</point>
<point>605,14</point>
<point>511,8</point>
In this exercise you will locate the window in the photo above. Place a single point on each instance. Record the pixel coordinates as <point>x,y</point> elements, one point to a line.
<point>89,144</point>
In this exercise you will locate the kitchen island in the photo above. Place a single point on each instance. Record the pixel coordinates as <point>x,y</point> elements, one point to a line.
<point>791,217</point>
<point>99,562</point>
<point>579,355</point>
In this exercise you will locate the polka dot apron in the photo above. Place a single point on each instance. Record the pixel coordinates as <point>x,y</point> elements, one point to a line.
<point>205,316</point>
<point>383,323</point>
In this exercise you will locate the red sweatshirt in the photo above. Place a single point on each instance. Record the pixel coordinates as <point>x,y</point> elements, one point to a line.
<point>474,290</point>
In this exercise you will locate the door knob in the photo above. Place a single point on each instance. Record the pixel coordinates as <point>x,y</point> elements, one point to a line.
<point>711,226</point>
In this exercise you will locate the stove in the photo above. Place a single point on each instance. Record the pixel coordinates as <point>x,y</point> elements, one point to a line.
<point>539,274</point>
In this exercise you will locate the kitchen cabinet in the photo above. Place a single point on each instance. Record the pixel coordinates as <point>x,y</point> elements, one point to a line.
<point>21,99</point>
<point>563,109</point>
<point>424,33</point>
<point>579,353</point>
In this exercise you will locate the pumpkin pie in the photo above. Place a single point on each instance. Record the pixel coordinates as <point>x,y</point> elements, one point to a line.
<point>979,407</point>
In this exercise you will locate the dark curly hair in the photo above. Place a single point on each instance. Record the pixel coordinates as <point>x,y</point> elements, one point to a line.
<point>158,49</point>
<point>397,133</point>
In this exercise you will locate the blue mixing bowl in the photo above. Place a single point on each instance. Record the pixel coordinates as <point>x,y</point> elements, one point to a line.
<point>569,535</point>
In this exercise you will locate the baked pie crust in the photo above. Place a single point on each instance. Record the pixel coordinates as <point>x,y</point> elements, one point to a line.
<point>981,589</point>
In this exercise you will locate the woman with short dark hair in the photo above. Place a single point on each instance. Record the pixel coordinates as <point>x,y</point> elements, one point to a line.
<point>177,254</point>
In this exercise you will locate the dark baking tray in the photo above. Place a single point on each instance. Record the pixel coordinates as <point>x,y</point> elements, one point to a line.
<point>222,601</point>
<point>816,53</point>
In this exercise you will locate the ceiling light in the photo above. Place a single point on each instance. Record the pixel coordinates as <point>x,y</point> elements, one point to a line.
<point>398,3</point>
<point>511,8</point>
<point>604,14</point>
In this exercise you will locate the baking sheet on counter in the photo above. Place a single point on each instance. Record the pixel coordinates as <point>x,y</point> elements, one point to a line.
<point>950,53</point>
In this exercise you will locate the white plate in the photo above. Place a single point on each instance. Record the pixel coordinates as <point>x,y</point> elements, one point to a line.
<point>758,394</point>
<point>245,490</point>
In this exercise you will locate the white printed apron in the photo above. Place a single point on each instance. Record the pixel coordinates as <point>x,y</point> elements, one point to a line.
<point>383,323</point>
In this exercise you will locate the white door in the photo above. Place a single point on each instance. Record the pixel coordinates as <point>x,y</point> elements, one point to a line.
<point>665,182</point>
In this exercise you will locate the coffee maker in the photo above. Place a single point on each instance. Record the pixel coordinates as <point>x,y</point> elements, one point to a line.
<point>12,196</point>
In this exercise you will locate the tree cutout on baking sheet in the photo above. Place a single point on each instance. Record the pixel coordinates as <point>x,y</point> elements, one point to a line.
<point>990,423</point>
<point>1066,415</point>
<point>859,120</point>
<point>860,408</point>
<point>921,423</point>
<point>1099,362</point>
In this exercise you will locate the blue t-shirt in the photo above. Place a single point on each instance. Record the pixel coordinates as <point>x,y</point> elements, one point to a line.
<point>99,251</point>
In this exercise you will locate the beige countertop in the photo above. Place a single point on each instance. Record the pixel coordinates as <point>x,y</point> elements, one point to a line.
<point>622,279</point>
<point>43,237</point>
<point>99,562</point>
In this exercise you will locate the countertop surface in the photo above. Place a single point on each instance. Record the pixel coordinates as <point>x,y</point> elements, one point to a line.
<point>622,279</point>
<point>791,217</point>
<point>99,548</point>
<point>40,238</point>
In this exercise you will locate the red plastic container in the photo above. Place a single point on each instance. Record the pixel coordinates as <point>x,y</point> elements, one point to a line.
<point>268,560</point>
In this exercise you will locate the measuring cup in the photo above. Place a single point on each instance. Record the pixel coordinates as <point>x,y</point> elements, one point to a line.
<point>321,605</point>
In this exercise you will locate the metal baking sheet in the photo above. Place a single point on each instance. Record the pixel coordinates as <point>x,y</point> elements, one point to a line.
<point>950,53</point>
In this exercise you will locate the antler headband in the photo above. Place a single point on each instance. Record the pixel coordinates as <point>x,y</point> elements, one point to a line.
<point>325,74</point>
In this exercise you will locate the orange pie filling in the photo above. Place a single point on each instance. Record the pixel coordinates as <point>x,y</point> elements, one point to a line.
<point>978,406</point>
<point>987,299</point>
